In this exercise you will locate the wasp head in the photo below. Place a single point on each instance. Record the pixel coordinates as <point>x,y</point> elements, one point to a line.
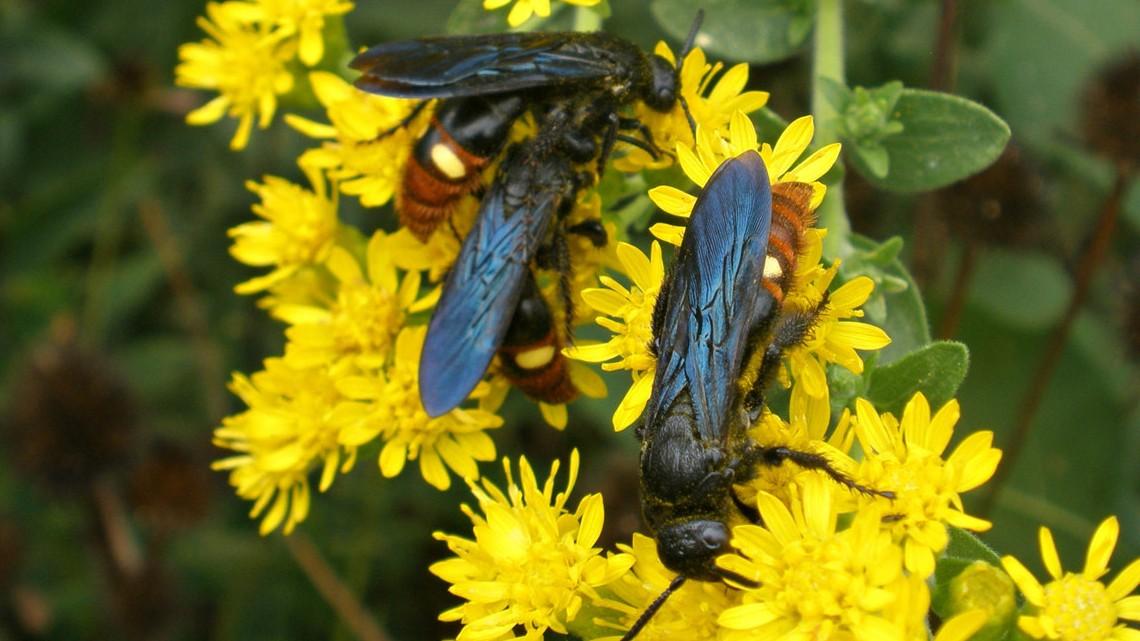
<point>690,548</point>
<point>662,94</point>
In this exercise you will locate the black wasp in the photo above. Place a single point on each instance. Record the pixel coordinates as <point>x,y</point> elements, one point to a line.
<point>718,334</point>
<point>575,85</point>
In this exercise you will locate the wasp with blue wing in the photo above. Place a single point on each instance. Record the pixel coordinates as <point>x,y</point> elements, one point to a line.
<point>575,85</point>
<point>718,334</point>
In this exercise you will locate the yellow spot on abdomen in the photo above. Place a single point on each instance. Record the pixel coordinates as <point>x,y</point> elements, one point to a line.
<point>772,267</point>
<point>535,358</point>
<point>447,162</point>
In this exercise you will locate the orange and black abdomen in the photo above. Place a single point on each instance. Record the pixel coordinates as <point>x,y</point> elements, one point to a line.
<point>791,215</point>
<point>447,162</point>
<point>531,353</point>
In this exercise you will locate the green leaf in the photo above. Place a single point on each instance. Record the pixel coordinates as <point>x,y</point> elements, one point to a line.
<point>1037,49</point>
<point>759,31</point>
<point>965,546</point>
<point>936,370</point>
<point>944,139</point>
<point>875,158</point>
<point>1023,289</point>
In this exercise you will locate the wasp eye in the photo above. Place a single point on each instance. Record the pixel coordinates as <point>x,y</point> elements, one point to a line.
<point>714,538</point>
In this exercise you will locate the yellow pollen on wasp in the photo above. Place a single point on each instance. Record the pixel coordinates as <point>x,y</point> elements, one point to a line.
<point>1081,609</point>
<point>535,358</point>
<point>772,268</point>
<point>446,161</point>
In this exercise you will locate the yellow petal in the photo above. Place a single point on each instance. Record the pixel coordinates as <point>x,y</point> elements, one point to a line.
<point>816,165</point>
<point>692,166</point>
<point>637,266</point>
<point>962,626</point>
<point>1101,547</point>
<point>672,200</point>
<point>672,234</point>
<point>554,414</point>
<point>591,353</point>
<point>433,470</point>
<point>1129,608</point>
<point>1025,581</point>
<point>392,459</point>
<point>1049,552</point>
<point>746,617</point>
<point>633,404</point>
<point>1125,582</point>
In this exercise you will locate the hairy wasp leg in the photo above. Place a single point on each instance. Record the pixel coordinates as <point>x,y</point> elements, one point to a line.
<point>592,230</point>
<point>755,455</point>
<point>562,263</point>
<point>792,328</point>
<point>647,143</point>
<point>405,122</point>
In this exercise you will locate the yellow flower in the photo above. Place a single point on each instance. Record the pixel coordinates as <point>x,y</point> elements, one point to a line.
<point>690,612</point>
<point>524,9</point>
<point>631,326</point>
<point>712,149</point>
<point>833,338</point>
<point>456,440</point>
<point>906,458</point>
<point>364,163</point>
<point>359,322</point>
<point>299,230</point>
<point>306,19</point>
<point>813,582</point>
<point>1079,606</point>
<point>243,61</point>
<point>292,424</point>
<point>531,562</point>
<point>806,431</point>
<point>710,104</point>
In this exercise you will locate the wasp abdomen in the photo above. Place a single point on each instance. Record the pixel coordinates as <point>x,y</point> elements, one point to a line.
<point>531,353</point>
<point>447,162</point>
<point>791,215</point>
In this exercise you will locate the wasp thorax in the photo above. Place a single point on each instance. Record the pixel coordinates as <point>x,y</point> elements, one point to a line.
<point>690,548</point>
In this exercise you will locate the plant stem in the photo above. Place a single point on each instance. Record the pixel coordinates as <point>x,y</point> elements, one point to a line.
<point>586,19</point>
<point>828,63</point>
<point>334,591</point>
<point>1090,259</point>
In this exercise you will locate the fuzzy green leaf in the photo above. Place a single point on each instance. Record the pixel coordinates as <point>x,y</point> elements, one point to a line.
<point>936,370</point>
<point>1023,289</point>
<point>944,139</point>
<point>753,30</point>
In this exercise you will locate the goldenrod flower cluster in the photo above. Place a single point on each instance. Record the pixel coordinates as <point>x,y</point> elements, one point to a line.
<point>247,57</point>
<point>815,561</point>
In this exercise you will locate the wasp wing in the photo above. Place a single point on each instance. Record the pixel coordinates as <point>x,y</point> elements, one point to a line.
<point>453,66</point>
<point>713,299</point>
<point>483,288</point>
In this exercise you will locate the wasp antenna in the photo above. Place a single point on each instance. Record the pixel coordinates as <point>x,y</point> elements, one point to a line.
<point>688,46</point>
<point>674,585</point>
<point>688,116</point>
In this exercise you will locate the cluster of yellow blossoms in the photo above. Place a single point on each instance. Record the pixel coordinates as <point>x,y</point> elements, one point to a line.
<point>819,563</point>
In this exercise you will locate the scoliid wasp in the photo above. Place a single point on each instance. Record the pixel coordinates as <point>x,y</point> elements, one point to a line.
<point>486,82</point>
<point>718,334</point>
<point>575,85</point>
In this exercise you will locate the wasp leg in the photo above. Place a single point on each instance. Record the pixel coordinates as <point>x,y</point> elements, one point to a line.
<point>755,455</point>
<point>792,328</point>
<point>562,263</point>
<point>647,143</point>
<point>592,230</point>
<point>405,122</point>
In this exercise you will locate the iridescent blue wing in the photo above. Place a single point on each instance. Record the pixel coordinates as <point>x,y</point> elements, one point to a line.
<point>486,64</point>
<point>483,288</point>
<point>713,299</point>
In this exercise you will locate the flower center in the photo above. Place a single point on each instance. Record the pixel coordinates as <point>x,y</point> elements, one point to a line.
<point>366,320</point>
<point>1080,608</point>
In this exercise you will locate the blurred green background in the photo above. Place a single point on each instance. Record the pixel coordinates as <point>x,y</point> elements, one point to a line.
<point>118,325</point>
